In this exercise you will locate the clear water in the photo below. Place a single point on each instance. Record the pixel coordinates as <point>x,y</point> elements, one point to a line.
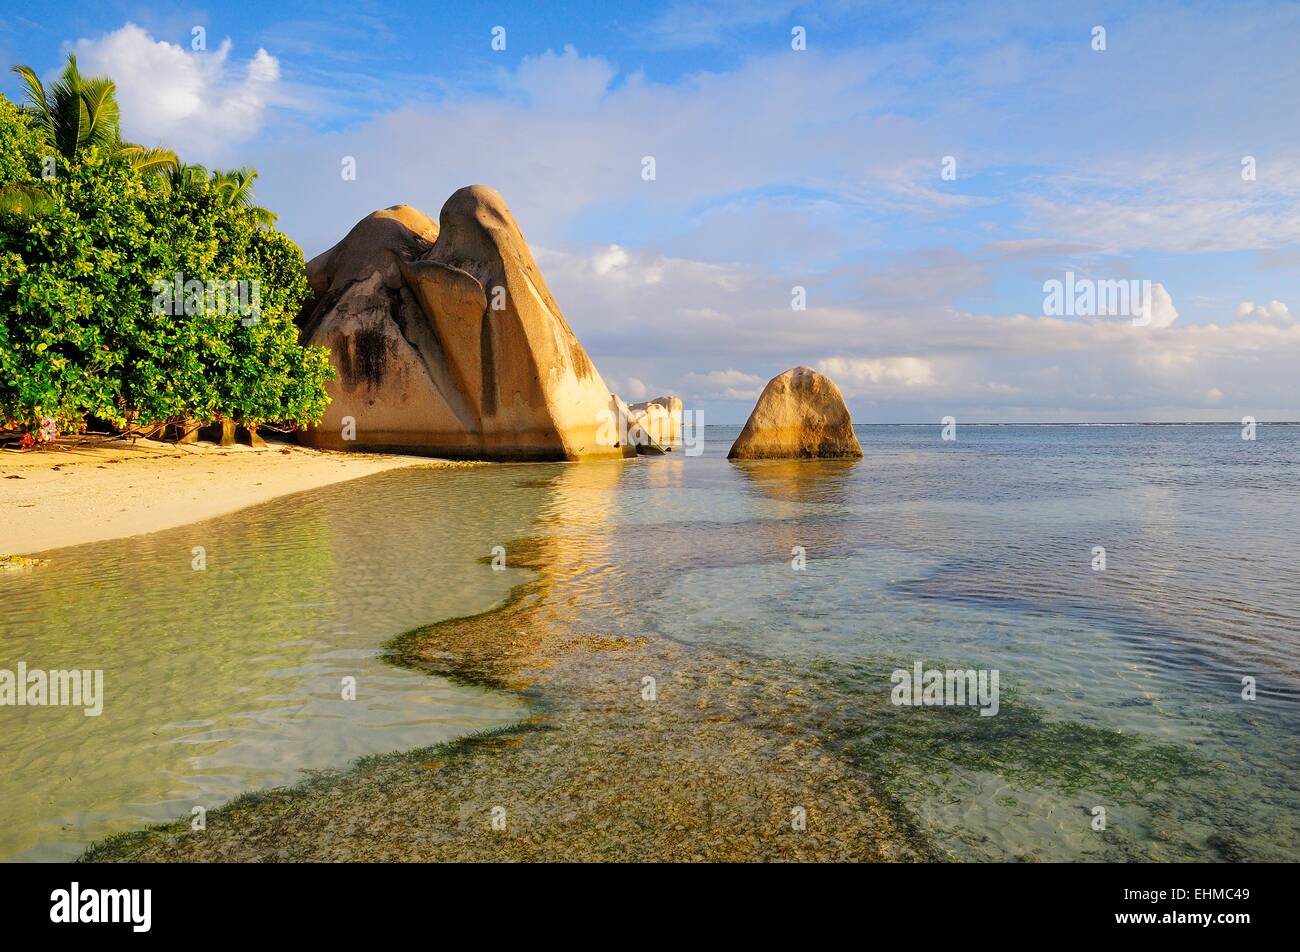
<point>1120,689</point>
<point>230,679</point>
<point>1125,684</point>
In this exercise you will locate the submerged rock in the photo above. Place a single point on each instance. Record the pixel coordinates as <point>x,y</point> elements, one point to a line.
<point>447,341</point>
<point>799,415</point>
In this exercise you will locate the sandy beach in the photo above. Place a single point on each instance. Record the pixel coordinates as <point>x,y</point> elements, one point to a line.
<point>68,494</point>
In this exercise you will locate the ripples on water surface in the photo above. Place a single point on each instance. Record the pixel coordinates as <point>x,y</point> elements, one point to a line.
<point>1119,688</point>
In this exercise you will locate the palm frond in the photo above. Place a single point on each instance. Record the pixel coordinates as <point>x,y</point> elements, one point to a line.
<point>32,83</point>
<point>36,105</point>
<point>182,177</point>
<point>236,186</point>
<point>155,160</point>
<point>264,217</point>
<point>101,118</point>
<point>67,110</point>
<point>23,200</point>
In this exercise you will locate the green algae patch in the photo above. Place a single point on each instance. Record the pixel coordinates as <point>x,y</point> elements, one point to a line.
<point>1022,745</point>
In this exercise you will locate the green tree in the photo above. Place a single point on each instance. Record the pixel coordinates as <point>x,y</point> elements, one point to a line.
<point>183,176</point>
<point>80,112</point>
<point>90,321</point>
<point>236,189</point>
<point>21,190</point>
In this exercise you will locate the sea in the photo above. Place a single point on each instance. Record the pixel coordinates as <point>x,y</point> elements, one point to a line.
<point>1133,587</point>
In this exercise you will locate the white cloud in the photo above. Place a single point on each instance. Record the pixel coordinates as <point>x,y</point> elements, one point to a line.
<point>564,82</point>
<point>1274,312</point>
<point>724,385</point>
<point>263,67</point>
<point>1163,312</point>
<point>609,259</point>
<point>910,361</point>
<point>194,101</point>
<point>864,374</point>
<point>687,24</point>
<point>586,135</point>
<point>1178,220</point>
<point>902,352</point>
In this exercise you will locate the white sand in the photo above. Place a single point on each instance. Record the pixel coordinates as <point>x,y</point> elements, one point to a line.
<point>64,495</point>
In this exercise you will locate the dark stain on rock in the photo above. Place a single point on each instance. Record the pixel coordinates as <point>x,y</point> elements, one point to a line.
<point>488,365</point>
<point>363,358</point>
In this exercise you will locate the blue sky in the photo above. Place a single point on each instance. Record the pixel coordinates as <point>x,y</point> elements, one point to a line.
<point>775,168</point>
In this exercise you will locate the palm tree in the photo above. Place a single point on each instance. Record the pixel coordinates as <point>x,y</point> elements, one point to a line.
<point>182,177</point>
<point>236,189</point>
<point>81,112</point>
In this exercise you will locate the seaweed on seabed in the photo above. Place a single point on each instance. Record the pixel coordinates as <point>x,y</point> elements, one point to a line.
<point>125,847</point>
<point>909,749</point>
<point>1025,747</point>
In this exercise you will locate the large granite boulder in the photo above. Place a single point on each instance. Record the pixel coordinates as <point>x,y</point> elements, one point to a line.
<point>376,243</point>
<point>800,415</point>
<point>448,342</point>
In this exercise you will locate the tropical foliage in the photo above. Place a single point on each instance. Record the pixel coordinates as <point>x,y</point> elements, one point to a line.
<point>79,113</point>
<point>21,190</point>
<point>134,289</point>
<point>232,188</point>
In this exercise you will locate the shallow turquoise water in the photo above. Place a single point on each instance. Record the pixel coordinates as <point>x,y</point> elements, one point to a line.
<point>1120,689</point>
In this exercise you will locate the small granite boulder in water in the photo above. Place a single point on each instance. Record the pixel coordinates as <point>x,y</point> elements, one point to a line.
<point>656,425</point>
<point>800,415</point>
